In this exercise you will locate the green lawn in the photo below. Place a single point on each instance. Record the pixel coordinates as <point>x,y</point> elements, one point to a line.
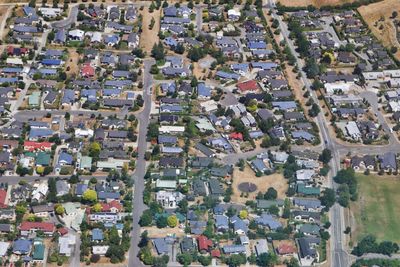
<point>377,210</point>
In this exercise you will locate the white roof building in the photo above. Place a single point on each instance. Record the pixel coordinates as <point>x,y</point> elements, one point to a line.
<point>3,248</point>
<point>305,174</point>
<point>100,250</point>
<point>352,130</point>
<point>66,244</point>
<point>209,105</point>
<point>171,129</point>
<point>394,106</point>
<point>14,61</point>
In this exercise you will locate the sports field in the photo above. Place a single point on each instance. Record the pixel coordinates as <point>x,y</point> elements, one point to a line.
<point>377,209</point>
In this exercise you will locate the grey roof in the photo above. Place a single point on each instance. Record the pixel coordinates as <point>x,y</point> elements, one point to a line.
<point>308,203</point>
<point>311,229</point>
<point>265,204</point>
<point>233,249</point>
<point>167,139</point>
<point>5,227</point>
<point>171,162</point>
<point>199,187</point>
<point>117,134</point>
<point>221,221</point>
<point>205,150</point>
<point>265,114</point>
<point>201,162</point>
<point>160,245</point>
<point>62,187</point>
<point>388,160</point>
<point>267,219</point>
<point>4,156</point>
<point>303,135</point>
<point>43,208</point>
<point>187,244</point>
<point>215,187</point>
<point>306,248</point>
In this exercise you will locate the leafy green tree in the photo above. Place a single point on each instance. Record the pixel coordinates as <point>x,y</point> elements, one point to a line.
<point>146,219</point>
<point>326,156</point>
<point>204,260</point>
<point>328,198</point>
<point>271,194</point>
<point>90,195</point>
<point>184,259</point>
<point>157,52</point>
<point>267,259</point>
<point>162,222</point>
<point>344,195</point>
<point>59,209</point>
<point>172,221</point>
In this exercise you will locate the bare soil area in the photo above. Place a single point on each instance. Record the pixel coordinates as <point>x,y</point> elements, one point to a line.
<point>72,63</point>
<point>378,16</point>
<point>275,180</point>
<point>155,232</point>
<point>149,37</point>
<point>316,3</point>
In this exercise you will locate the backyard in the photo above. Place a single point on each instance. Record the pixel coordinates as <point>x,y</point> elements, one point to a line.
<point>377,208</point>
<point>275,180</point>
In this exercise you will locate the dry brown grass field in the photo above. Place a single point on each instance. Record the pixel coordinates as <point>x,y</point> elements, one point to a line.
<point>378,16</point>
<point>316,3</point>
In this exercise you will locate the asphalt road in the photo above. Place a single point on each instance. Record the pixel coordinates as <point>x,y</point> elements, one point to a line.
<point>339,258</point>
<point>140,171</point>
<point>66,23</point>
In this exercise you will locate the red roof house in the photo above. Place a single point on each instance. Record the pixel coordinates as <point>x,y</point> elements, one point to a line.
<point>285,249</point>
<point>63,231</point>
<point>216,253</point>
<point>32,146</point>
<point>27,228</point>
<point>251,85</point>
<point>204,243</point>
<point>113,206</point>
<point>237,136</point>
<point>3,195</point>
<point>16,51</point>
<point>87,70</point>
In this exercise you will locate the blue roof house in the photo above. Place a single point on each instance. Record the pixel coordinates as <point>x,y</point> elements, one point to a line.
<point>203,91</point>
<point>65,159</point>
<point>68,97</point>
<point>97,235</point>
<point>257,45</point>
<point>22,246</point>
<point>80,189</point>
<point>51,62</point>
<point>89,94</point>
<point>269,221</point>
<point>36,133</point>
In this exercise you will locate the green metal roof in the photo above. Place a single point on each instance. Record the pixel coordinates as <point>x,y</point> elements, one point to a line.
<point>38,252</point>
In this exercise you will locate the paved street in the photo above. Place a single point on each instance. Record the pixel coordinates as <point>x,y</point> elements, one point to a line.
<point>338,256</point>
<point>140,171</point>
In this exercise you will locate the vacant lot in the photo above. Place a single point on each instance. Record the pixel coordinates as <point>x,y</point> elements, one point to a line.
<point>275,180</point>
<point>72,64</point>
<point>378,16</point>
<point>149,37</point>
<point>317,3</point>
<point>378,207</point>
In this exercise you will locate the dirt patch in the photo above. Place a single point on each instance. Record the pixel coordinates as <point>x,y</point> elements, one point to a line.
<point>275,180</point>
<point>155,232</point>
<point>149,37</point>
<point>378,16</point>
<point>316,3</point>
<point>71,65</point>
